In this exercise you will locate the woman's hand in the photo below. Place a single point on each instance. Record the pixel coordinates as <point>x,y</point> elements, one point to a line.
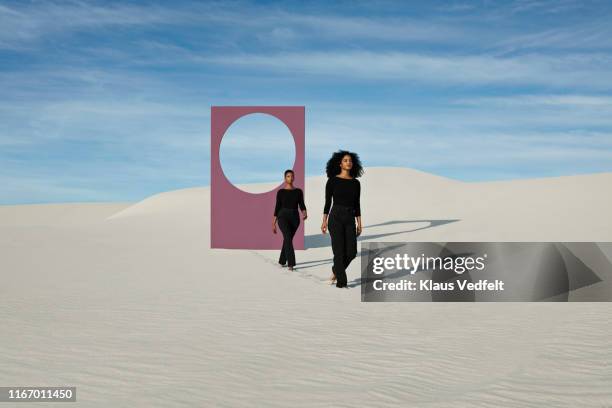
<point>324,226</point>
<point>358,230</point>
<point>305,215</point>
<point>274,225</point>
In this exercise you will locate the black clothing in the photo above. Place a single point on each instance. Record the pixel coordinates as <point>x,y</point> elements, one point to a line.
<point>288,222</point>
<point>341,224</point>
<point>345,192</point>
<point>291,199</point>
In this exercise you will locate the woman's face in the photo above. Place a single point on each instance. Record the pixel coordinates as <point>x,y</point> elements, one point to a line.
<point>347,162</point>
<point>289,178</point>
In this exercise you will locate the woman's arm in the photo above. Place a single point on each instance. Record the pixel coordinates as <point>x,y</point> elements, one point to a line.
<point>357,198</point>
<point>278,203</point>
<point>329,189</point>
<point>276,210</point>
<point>357,205</point>
<point>302,205</point>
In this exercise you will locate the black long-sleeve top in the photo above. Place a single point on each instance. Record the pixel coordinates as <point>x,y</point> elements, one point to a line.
<point>289,198</point>
<point>344,192</point>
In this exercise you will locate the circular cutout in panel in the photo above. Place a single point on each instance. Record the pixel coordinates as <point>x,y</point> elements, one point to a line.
<point>255,151</point>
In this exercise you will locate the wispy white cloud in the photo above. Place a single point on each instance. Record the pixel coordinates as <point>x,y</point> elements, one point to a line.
<point>569,100</point>
<point>545,6</point>
<point>595,35</point>
<point>22,189</point>
<point>457,7</point>
<point>114,98</point>
<point>30,21</point>
<point>591,70</point>
<point>393,29</point>
<point>26,22</point>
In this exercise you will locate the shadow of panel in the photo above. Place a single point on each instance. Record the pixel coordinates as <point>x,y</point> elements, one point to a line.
<point>324,240</point>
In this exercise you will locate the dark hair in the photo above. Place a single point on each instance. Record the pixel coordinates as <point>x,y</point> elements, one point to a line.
<point>333,164</point>
<point>288,171</point>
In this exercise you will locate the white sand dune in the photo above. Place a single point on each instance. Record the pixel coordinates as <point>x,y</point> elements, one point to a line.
<point>129,303</point>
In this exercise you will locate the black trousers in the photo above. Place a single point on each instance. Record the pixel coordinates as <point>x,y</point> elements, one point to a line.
<point>288,222</point>
<point>341,225</point>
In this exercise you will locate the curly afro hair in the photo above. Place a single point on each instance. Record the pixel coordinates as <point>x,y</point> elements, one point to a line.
<point>333,164</point>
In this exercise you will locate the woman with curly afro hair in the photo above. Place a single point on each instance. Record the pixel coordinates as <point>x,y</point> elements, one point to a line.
<point>344,218</point>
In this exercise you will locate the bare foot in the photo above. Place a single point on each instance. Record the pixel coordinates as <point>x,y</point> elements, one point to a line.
<point>332,279</point>
<point>290,268</point>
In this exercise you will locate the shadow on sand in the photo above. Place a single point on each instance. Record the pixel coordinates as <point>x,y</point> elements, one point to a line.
<point>321,241</point>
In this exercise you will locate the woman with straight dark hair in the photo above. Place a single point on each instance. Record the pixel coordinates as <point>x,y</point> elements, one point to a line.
<point>288,199</point>
<point>342,186</point>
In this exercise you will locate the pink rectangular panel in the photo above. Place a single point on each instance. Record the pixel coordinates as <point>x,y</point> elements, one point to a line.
<point>242,220</point>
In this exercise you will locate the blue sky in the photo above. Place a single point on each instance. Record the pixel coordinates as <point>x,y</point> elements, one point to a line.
<point>110,101</point>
